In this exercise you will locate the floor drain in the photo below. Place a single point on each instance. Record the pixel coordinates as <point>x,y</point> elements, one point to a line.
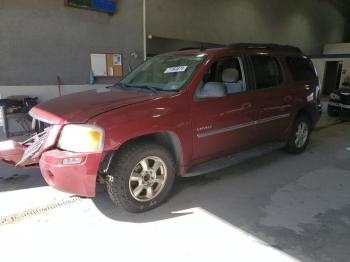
<point>37,211</point>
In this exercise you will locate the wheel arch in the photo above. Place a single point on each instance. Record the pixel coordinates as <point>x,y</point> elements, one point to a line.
<point>309,112</point>
<point>305,110</point>
<point>168,139</point>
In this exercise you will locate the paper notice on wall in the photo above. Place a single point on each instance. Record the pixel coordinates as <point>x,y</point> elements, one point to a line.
<point>98,64</point>
<point>117,60</point>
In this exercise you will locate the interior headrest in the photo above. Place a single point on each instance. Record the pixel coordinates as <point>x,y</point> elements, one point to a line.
<point>230,75</point>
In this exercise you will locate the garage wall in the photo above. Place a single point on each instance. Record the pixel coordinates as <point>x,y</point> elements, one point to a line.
<point>44,92</point>
<point>40,39</point>
<point>161,45</point>
<point>347,31</point>
<point>305,23</point>
<point>157,45</point>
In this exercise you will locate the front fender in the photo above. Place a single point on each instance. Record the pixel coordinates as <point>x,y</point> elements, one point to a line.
<point>126,124</point>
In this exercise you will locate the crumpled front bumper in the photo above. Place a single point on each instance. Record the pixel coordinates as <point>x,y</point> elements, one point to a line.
<point>11,151</point>
<point>79,179</point>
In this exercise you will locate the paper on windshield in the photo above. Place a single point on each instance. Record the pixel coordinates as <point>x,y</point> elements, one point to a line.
<point>175,69</point>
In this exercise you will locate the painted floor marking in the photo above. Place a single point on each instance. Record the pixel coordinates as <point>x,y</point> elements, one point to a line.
<point>11,219</point>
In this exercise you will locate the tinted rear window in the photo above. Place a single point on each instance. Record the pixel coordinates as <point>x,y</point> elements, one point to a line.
<point>301,68</point>
<point>268,72</point>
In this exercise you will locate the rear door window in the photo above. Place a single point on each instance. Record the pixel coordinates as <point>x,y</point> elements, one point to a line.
<point>301,68</point>
<point>267,71</point>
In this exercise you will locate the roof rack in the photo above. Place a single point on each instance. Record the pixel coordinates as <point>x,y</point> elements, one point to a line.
<point>285,48</point>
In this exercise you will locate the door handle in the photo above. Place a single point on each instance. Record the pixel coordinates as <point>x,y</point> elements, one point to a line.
<point>247,105</point>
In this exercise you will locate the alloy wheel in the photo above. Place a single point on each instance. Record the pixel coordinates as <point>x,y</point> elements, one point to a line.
<point>301,134</point>
<point>147,179</point>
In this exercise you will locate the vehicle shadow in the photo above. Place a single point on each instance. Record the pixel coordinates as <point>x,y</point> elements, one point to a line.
<point>249,196</point>
<point>12,178</point>
<point>215,190</point>
<point>211,191</point>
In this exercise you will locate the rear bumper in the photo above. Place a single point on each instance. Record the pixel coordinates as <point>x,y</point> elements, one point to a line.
<point>315,112</point>
<point>78,179</point>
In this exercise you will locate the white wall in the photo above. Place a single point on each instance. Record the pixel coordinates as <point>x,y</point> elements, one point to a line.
<point>320,65</point>
<point>334,49</point>
<point>346,70</point>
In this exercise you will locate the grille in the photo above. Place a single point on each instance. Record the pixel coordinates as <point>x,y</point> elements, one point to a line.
<point>35,143</point>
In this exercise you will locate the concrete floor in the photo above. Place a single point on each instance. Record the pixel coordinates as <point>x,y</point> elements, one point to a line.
<point>275,208</point>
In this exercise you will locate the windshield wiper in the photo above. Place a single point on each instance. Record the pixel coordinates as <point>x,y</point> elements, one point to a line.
<point>119,84</point>
<point>153,89</point>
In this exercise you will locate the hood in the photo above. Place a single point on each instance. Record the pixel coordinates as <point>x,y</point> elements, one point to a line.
<point>80,107</point>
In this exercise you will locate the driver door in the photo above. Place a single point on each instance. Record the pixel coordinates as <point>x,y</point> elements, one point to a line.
<point>223,125</point>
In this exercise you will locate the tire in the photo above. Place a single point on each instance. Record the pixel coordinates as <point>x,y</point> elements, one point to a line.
<point>129,179</point>
<point>332,111</point>
<point>300,136</point>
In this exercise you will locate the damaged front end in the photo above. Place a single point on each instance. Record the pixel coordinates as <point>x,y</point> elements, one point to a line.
<point>28,153</point>
<point>57,162</point>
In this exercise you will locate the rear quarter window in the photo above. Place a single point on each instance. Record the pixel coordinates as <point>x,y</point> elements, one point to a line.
<point>301,69</point>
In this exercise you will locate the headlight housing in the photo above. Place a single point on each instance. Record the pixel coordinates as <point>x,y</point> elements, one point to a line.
<point>81,138</point>
<point>334,96</point>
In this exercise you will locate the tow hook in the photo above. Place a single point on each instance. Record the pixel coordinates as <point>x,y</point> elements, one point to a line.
<point>110,178</point>
<point>104,178</point>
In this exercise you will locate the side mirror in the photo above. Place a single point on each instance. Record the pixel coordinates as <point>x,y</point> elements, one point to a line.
<point>212,90</point>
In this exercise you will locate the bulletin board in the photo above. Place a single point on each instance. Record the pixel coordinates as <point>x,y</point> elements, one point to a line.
<point>106,65</point>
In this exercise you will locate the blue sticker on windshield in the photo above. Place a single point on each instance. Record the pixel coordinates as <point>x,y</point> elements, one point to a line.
<point>176,69</point>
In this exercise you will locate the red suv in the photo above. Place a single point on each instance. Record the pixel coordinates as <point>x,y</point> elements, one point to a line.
<point>183,113</point>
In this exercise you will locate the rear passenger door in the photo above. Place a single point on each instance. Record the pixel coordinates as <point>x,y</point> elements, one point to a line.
<point>272,97</point>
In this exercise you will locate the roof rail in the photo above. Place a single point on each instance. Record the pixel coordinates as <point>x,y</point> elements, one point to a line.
<point>201,48</point>
<point>286,48</point>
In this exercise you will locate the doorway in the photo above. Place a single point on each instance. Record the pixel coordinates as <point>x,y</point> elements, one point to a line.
<point>332,76</point>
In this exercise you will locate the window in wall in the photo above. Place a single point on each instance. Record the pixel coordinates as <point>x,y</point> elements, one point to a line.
<point>301,68</point>
<point>228,71</point>
<point>267,71</point>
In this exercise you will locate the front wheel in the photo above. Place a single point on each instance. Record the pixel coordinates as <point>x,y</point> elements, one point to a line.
<point>141,176</point>
<point>300,136</point>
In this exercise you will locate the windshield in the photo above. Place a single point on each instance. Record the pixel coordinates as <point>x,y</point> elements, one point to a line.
<point>164,73</point>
